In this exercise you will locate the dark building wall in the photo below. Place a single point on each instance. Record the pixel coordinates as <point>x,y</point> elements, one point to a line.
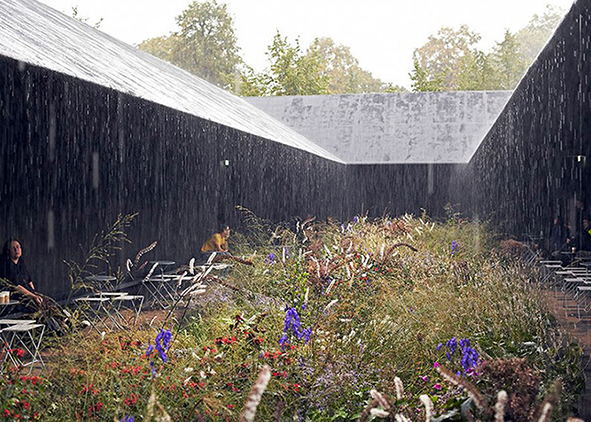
<point>397,189</point>
<point>526,170</point>
<point>74,155</point>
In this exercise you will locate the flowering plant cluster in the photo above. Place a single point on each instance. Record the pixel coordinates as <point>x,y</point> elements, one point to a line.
<point>292,321</point>
<point>161,345</point>
<point>469,359</point>
<point>363,299</point>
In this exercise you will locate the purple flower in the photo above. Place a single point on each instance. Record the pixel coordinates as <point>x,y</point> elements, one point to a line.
<point>163,343</point>
<point>439,346</point>
<point>127,418</point>
<point>283,341</point>
<point>270,259</point>
<point>307,334</point>
<point>292,321</point>
<point>356,219</point>
<point>454,247</point>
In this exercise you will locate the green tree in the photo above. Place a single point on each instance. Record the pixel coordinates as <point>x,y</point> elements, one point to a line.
<point>439,61</point>
<point>161,47</point>
<point>342,69</point>
<point>291,72</point>
<point>534,36</point>
<point>393,88</point>
<point>509,62</point>
<point>477,73</point>
<point>205,44</point>
<point>422,81</point>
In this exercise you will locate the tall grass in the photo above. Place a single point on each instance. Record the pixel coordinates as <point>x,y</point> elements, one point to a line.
<point>336,311</point>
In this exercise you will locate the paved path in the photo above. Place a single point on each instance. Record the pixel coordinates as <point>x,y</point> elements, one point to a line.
<point>581,331</point>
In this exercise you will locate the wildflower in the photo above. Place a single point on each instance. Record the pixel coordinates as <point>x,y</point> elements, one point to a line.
<point>127,418</point>
<point>270,259</point>
<point>292,321</point>
<point>424,378</point>
<point>356,219</point>
<point>436,364</point>
<point>283,341</point>
<point>454,247</point>
<point>437,386</point>
<point>161,344</point>
<point>439,346</point>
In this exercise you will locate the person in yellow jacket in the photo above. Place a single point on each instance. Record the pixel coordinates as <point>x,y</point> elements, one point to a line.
<point>218,243</point>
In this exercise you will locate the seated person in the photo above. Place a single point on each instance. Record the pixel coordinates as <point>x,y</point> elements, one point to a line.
<point>584,239</point>
<point>217,243</point>
<point>14,270</point>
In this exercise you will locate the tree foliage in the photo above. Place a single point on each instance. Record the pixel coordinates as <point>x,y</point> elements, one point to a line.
<point>325,68</point>
<point>205,44</point>
<point>533,37</point>
<point>342,69</point>
<point>451,61</point>
<point>440,60</point>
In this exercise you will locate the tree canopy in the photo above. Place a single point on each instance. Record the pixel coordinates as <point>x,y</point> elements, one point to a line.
<point>451,61</point>
<point>205,44</point>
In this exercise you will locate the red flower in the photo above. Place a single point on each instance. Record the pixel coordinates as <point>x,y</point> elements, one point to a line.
<point>6,412</point>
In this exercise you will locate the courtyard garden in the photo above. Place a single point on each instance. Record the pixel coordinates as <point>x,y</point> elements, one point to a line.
<point>402,319</point>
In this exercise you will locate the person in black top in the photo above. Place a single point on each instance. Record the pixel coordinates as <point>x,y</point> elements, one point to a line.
<point>558,235</point>
<point>14,270</point>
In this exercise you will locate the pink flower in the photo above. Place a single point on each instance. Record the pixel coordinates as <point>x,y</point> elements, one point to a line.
<point>437,386</point>
<point>436,364</point>
<point>424,378</point>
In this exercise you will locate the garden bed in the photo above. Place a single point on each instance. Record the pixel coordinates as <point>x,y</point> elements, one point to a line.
<point>423,313</point>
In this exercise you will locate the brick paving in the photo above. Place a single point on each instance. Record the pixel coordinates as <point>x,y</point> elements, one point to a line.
<point>580,330</point>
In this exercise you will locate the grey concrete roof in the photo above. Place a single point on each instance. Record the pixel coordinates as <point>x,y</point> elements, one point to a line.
<point>433,127</point>
<point>37,34</point>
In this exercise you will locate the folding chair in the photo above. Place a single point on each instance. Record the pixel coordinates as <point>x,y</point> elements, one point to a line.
<point>23,335</point>
<point>99,314</point>
<point>136,301</point>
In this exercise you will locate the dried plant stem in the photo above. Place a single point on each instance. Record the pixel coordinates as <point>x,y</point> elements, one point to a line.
<point>254,397</point>
<point>546,412</point>
<point>500,406</point>
<point>428,407</point>
<point>468,387</point>
<point>367,411</point>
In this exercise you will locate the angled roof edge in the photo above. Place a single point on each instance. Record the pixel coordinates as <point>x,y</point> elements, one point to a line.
<point>392,128</point>
<point>37,34</point>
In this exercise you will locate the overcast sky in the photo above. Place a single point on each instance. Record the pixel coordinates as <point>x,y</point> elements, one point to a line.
<point>382,34</point>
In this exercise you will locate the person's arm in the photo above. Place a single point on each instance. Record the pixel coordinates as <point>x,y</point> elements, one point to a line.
<point>220,245</point>
<point>22,290</point>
